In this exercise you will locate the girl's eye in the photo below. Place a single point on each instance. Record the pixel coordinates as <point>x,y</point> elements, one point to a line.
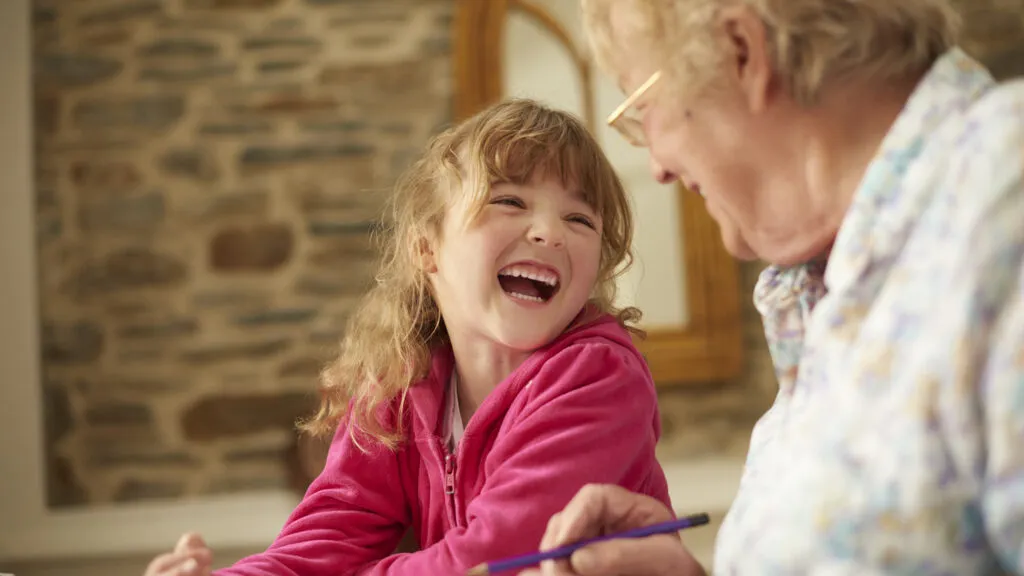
<point>509,201</point>
<point>580,219</point>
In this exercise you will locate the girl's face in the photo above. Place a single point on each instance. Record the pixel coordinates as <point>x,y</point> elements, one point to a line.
<point>521,270</point>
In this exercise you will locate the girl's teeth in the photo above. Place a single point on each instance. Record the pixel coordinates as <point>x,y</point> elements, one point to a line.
<point>545,278</point>
<point>522,296</point>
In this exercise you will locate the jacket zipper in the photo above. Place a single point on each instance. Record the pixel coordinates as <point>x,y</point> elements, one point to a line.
<point>449,485</point>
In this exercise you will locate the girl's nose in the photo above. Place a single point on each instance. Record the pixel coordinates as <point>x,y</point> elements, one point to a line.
<point>547,233</point>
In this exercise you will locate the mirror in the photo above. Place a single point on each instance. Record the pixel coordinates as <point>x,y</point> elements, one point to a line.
<point>683,280</point>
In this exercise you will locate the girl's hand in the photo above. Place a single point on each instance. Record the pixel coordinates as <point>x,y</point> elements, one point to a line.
<point>602,509</point>
<point>190,557</point>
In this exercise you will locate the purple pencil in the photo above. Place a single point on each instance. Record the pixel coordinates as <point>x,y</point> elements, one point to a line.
<point>528,560</point>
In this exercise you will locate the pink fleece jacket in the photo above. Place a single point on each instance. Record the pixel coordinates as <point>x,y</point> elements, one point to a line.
<point>580,410</point>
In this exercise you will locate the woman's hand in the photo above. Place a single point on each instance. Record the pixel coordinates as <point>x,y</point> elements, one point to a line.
<point>601,509</point>
<point>190,557</point>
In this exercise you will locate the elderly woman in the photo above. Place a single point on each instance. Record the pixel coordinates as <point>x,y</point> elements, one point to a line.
<point>880,170</point>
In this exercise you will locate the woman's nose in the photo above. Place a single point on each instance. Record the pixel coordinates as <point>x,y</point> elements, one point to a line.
<point>660,174</point>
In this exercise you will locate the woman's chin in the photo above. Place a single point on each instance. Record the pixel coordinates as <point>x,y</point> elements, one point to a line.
<point>736,246</point>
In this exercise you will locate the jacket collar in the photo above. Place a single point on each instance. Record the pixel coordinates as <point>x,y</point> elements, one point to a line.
<point>426,398</point>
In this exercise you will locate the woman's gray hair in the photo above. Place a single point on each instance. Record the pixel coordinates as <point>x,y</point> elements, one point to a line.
<point>811,41</point>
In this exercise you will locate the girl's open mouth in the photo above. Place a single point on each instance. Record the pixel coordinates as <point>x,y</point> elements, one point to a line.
<point>529,283</point>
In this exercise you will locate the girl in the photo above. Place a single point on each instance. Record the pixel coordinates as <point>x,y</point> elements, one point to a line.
<point>488,376</point>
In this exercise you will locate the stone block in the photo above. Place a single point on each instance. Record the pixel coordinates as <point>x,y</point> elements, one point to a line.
<point>107,38</point>
<point>134,490</point>
<point>57,413</point>
<point>204,72</point>
<point>219,353</point>
<point>130,309</point>
<point>383,80</point>
<point>358,204</point>
<point>49,227</point>
<point>275,317</point>
<point>258,248</point>
<point>237,5</point>
<point>358,20</point>
<point>147,385</point>
<point>273,480</point>
<point>332,126</point>
<point>63,487</point>
<point>266,157</point>
<point>236,128</point>
<point>119,415</point>
<point>121,12</point>
<point>333,228</point>
<point>346,283</point>
<point>109,176</point>
<point>266,455</point>
<point>302,367</point>
<point>286,24</point>
<point>279,66</point>
<point>230,299</point>
<point>251,204</point>
<point>174,328</point>
<point>325,336</point>
<point>352,3</point>
<point>340,252</point>
<point>180,48</point>
<point>277,43</point>
<point>371,41</point>
<point>195,164</point>
<point>156,112</point>
<point>75,70</point>
<point>44,15</point>
<point>106,456</point>
<point>47,113</point>
<point>124,270</point>
<point>131,213</point>
<point>130,355</point>
<point>225,417</point>
<point>284,103</point>
<point>73,343</point>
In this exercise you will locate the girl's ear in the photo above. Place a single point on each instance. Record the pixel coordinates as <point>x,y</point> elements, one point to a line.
<point>425,255</point>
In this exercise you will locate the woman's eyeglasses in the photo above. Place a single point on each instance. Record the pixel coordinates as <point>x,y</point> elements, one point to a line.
<point>626,119</point>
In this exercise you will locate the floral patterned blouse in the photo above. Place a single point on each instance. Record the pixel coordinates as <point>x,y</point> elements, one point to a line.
<point>896,442</point>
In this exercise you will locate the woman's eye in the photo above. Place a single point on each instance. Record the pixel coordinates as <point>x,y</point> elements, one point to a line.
<point>509,201</point>
<point>580,219</point>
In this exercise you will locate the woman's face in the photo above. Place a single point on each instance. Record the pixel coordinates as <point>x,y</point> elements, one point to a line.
<point>702,147</point>
<point>741,146</point>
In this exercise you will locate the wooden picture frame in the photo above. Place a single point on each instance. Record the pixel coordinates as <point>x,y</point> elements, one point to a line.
<point>710,346</point>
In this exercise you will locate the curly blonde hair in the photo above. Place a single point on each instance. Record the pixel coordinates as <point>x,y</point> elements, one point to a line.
<point>389,339</point>
<point>811,41</point>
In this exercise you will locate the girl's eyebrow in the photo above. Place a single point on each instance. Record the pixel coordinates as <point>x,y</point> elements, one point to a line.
<point>578,195</point>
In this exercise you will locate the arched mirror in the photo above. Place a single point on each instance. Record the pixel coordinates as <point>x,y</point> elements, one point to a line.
<point>683,280</point>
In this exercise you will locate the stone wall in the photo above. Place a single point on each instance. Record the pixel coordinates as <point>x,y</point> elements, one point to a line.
<point>208,172</point>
